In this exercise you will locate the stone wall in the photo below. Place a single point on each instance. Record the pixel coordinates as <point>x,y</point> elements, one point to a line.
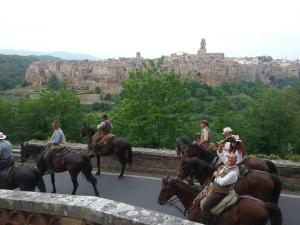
<point>33,208</point>
<point>213,69</point>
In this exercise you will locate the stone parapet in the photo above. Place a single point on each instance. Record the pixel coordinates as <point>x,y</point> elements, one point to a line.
<point>24,208</point>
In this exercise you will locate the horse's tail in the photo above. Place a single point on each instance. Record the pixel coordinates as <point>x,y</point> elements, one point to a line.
<point>39,180</point>
<point>129,155</point>
<point>276,188</point>
<point>87,169</point>
<point>272,167</point>
<point>274,213</point>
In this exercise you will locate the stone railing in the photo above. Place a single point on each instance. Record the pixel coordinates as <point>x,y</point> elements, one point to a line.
<point>32,208</point>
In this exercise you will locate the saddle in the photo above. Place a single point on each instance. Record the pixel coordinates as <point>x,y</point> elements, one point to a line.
<point>61,152</point>
<point>228,201</point>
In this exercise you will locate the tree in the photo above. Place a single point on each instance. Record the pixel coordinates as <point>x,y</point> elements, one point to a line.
<point>53,82</point>
<point>157,108</point>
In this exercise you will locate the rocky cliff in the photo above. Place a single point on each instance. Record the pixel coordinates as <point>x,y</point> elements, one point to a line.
<point>213,69</point>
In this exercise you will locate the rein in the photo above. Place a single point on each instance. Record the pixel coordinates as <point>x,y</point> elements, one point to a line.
<point>173,203</point>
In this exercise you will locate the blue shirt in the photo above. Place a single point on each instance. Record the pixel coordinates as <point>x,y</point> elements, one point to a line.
<point>58,137</point>
<point>5,150</point>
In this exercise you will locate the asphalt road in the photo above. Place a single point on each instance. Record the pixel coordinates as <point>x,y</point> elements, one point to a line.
<point>143,192</point>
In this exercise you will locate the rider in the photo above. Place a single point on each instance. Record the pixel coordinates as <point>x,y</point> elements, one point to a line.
<point>230,146</point>
<point>57,143</point>
<point>205,136</point>
<point>6,157</point>
<point>225,178</point>
<point>104,129</point>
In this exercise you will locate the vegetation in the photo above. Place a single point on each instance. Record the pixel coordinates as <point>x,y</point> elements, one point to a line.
<point>13,69</point>
<point>156,106</point>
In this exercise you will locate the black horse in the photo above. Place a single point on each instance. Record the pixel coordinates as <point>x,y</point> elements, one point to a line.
<point>71,161</point>
<point>187,149</point>
<point>27,178</point>
<point>117,146</point>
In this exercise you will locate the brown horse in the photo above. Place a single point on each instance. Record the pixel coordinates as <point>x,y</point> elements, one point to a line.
<point>261,185</point>
<point>247,211</point>
<point>189,150</point>
<point>69,161</point>
<point>117,146</point>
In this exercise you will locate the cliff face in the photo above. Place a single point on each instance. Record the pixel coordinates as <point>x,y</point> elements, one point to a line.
<point>108,74</point>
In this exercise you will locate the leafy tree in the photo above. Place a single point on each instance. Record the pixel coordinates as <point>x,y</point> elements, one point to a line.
<point>53,82</point>
<point>157,108</point>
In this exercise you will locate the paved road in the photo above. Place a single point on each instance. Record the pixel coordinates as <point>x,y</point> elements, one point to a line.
<point>143,192</point>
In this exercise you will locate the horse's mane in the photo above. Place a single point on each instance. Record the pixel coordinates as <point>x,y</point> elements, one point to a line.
<point>32,148</point>
<point>173,181</point>
<point>199,165</point>
<point>203,153</point>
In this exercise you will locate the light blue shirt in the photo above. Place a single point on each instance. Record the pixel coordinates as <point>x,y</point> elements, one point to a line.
<point>57,136</point>
<point>5,150</point>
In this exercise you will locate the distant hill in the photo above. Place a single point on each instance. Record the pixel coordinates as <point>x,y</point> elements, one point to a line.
<point>43,55</point>
<point>13,69</point>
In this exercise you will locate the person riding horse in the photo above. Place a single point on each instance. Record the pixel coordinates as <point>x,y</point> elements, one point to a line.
<point>225,179</point>
<point>6,157</point>
<point>232,143</point>
<point>104,129</point>
<point>56,144</point>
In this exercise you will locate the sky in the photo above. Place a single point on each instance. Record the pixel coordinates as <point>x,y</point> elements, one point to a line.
<point>120,28</point>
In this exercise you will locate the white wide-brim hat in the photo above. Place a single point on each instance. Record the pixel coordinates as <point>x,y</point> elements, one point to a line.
<point>2,136</point>
<point>227,130</point>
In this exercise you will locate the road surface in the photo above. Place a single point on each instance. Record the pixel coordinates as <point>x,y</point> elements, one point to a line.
<point>143,192</point>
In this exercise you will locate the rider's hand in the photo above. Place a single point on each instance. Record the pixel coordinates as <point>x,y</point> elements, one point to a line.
<point>215,174</point>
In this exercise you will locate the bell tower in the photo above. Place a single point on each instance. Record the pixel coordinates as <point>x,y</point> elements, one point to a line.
<point>202,50</point>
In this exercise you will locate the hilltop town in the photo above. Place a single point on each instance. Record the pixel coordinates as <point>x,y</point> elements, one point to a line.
<point>210,68</point>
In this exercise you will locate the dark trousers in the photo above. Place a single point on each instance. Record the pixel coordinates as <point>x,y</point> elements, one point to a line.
<point>212,199</point>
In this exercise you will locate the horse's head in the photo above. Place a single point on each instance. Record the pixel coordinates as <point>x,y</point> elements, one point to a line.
<point>32,150</point>
<point>181,145</point>
<point>168,189</point>
<point>87,131</point>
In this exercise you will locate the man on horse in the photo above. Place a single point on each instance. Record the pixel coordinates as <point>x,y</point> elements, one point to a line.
<point>56,144</point>
<point>225,178</point>
<point>104,129</point>
<point>6,157</point>
<point>205,137</point>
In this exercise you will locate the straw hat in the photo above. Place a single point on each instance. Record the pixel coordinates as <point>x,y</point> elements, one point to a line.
<point>2,136</point>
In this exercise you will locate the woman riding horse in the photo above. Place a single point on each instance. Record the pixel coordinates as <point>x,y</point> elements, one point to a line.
<point>247,210</point>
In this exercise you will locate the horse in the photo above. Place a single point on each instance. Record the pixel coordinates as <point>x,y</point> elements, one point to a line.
<point>260,184</point>
<point>185,149</point>
<point>68,161</point>
<point>117,146</point>
<point>247,210</point>
<point>27,178</point>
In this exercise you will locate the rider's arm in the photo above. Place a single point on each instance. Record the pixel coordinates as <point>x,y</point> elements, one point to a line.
<point>230,178</point>
<point>99,126</point>
<point>222,156</point>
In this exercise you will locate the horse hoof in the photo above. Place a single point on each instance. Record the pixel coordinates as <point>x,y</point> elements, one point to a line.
<point>98,174</point>
<point>53,192</point>
<point>120,176</point>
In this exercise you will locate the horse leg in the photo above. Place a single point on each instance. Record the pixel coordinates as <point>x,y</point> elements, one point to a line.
<point>74,181</point>
<point>123,160</point>
<point>53,182</point>
<point>98,164</point>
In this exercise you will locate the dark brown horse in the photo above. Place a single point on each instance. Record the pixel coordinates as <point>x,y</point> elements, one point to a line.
<point>187,150</point>
<point>69,161</point>
<point>117,146</point>
<point>260,184</point>
<point>247,211</point>
<point>27,178</point>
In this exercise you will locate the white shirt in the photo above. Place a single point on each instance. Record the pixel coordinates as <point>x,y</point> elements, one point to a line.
<point>230,178</point>
<point>99,126</point>
<point>223,155</point>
